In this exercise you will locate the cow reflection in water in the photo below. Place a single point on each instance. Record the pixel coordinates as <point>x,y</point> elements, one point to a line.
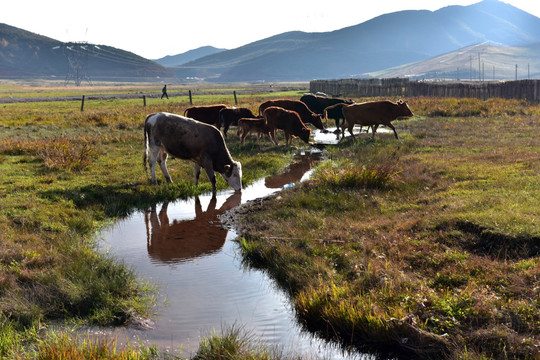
<point>294,171</point>
<point>185,239</point>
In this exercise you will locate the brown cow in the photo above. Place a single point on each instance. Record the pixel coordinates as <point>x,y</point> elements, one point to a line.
<point>287,120</point>
<point>208,114</point>
<point>374,113</point>
<point>188,139</point>
<point>248,125</point>
<point>230,116</point>
<point>307,116</point>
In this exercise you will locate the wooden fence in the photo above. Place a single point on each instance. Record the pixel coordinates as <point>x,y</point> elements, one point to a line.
<point>400,87</point>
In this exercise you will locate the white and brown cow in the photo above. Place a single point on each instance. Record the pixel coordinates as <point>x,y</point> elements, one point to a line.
<point>188,139</point>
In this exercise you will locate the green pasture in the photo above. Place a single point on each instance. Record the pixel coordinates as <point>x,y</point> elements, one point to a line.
<point>432,238</point>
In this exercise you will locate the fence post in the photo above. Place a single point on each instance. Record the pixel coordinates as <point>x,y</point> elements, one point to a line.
<point>82,103</point>
<point>190,99</point>
<point>144,100</point>
<point>235,100</point>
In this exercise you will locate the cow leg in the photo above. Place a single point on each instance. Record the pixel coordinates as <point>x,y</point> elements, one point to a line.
<point>153,155</point>
<point>350,128</point>
<point>239,134</point>
<point>162,160</point>
<point>244,135</point>
<point>288,138</point>
<point>274,137</point>
<point>209,168</point>
<point>393,128</point>
<point>196,173</point>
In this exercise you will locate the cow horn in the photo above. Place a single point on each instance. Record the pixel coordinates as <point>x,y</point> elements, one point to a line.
<point>400,101</point>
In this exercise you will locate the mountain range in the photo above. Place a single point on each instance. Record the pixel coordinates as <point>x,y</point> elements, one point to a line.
<point>404,43</point>
<point>24,54</point>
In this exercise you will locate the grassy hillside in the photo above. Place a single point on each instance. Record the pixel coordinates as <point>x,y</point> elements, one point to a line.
<point>480,61</point>
<point>24,54</point>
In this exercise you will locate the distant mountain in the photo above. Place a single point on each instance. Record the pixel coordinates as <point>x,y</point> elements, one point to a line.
<point>367,49</point>
<point>25,54</point>
<point>383,42</point>
<point>485,61</point>
<point>181,59</point>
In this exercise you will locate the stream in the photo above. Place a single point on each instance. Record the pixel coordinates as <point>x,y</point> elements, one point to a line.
<point>203,287</point>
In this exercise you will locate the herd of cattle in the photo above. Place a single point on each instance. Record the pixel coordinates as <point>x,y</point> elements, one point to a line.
<point>196,136</point>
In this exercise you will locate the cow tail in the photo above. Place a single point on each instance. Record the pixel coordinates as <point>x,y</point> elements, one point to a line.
<point>145,152</point>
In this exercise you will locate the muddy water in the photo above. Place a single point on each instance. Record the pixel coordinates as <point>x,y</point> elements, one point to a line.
<point>203,287</point>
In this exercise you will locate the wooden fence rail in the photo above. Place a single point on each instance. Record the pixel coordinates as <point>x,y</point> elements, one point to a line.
<point>400,87</point>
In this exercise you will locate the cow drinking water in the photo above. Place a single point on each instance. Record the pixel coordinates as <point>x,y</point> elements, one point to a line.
<point>188,139</point>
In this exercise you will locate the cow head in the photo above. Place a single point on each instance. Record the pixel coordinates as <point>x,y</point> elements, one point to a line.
<point>404,109</point>
<point>305,133</point>
<point>316,120</point>
<point>233,175</point>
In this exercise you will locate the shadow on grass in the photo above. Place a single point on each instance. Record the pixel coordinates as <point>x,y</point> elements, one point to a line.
<point>484,241</point>
<point>122,200</point>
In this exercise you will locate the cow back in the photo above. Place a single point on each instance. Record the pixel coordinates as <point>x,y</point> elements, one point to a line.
<point>317,104</point>
<point>297,106</point>
<point>208,114</point>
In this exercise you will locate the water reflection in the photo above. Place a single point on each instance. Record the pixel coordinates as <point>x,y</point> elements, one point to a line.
<point>203,285</point>
<point>175,241</point>
<point>295,171</point>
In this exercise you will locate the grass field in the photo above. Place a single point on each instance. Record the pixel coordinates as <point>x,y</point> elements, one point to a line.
<point>428,244</point>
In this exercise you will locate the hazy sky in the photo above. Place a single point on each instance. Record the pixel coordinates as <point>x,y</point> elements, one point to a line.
<point>157,28</point>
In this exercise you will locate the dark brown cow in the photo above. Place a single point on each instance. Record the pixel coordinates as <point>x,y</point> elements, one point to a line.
<point>208,114</point>
<point>230,116</point>
<point>374,113</point>
<point>189,139</point>
<point>288,121</point>
<point>317,104</point>
<point>248,125</point>
<point>334,112</point>
<point>307,116</point>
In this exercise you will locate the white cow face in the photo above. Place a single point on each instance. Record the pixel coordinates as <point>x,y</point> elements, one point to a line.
<point>233,176</point>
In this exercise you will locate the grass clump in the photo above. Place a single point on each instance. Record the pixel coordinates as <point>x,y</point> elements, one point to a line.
<point>370,176</point>
<point>61,346</point>
<point>235,344</point>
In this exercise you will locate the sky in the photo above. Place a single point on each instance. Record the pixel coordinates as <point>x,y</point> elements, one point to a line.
<point>157,28</point>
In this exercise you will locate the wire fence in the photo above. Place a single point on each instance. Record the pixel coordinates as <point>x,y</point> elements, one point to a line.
<point>401,87</point>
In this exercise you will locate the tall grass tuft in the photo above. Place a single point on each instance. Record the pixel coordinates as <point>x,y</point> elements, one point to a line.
<point>64,154</point>
<point>368,176</point>
<point>61,346</point>
<point>234,344</point>
<point>57,154</point>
